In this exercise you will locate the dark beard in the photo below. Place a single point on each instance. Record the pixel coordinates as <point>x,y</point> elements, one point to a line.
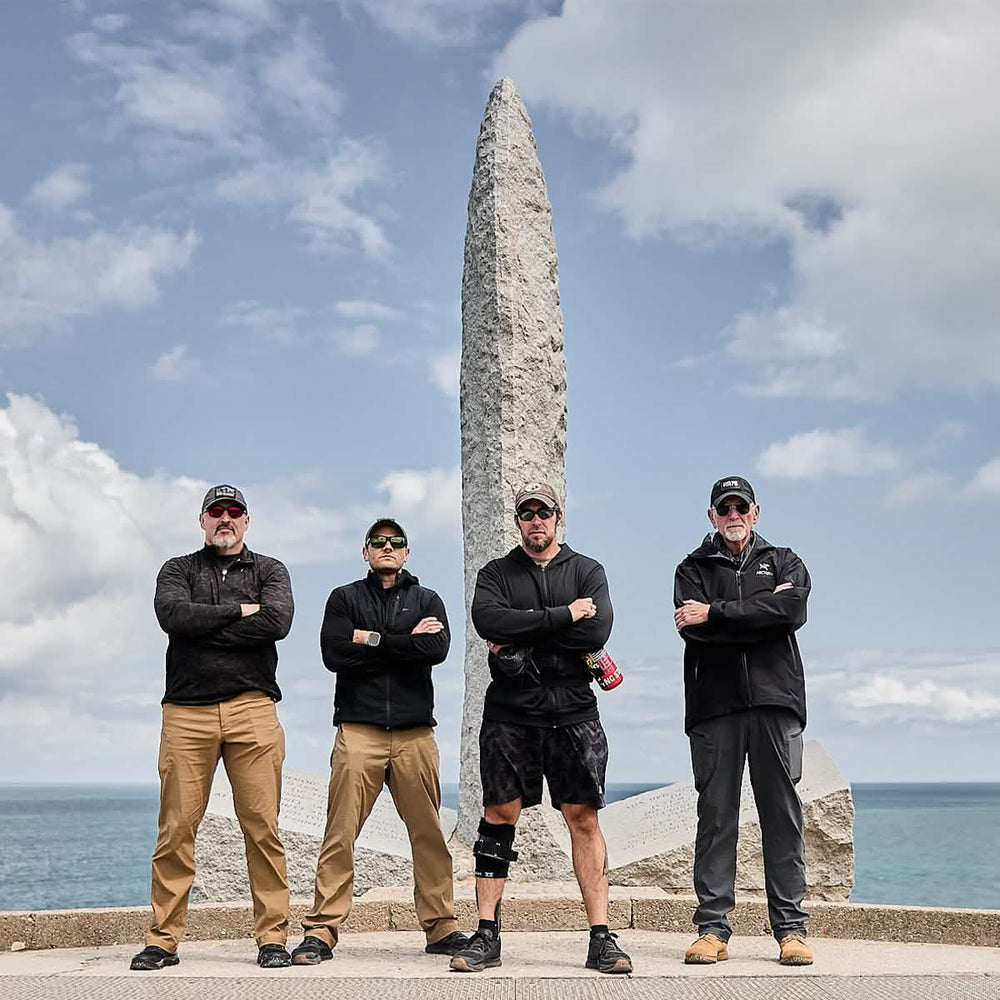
<point>537,546</point>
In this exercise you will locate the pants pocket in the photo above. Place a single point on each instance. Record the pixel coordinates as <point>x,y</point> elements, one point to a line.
<point>702,758</point>
<point>793,750</point>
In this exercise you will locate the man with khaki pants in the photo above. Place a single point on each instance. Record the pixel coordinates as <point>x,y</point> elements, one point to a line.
<point>223,607</point>
<point>381,636</point>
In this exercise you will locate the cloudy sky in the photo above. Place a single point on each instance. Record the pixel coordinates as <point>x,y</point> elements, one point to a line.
<point>231,247</point>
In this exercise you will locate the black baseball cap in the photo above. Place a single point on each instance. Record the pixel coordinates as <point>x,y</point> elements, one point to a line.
<point>223,494</point>
<point>380,522</point>
<point>732,486</point>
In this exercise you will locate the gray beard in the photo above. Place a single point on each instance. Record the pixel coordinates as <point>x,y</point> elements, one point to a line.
<point>225,541</point>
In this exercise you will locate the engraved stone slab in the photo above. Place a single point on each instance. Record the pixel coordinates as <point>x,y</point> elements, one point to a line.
<point>382,853</point>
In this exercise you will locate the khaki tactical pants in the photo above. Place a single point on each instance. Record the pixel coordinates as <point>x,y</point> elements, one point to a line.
<point>246,734</point>
<point>365,758</point>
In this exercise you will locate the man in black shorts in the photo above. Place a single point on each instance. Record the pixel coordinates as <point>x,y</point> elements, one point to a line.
<point>541,608</point>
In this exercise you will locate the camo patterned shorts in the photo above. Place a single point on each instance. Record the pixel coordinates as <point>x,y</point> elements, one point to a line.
<point>513,759</point>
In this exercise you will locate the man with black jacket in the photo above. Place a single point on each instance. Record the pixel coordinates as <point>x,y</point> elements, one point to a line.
<point>541,608</point>
<point>381,636</point>
<point>223,607</point>
<point>739,601</point>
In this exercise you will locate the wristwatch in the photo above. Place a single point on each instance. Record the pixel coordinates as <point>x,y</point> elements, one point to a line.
<point>374,638</point>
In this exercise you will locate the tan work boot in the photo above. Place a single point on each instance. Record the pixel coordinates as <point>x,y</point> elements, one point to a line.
<point>707,950</point>
<point>795,951</point>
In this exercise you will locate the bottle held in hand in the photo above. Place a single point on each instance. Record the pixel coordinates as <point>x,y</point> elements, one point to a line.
<point>606,672</point>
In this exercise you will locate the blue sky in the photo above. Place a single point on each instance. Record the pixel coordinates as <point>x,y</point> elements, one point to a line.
<point>231,249</point>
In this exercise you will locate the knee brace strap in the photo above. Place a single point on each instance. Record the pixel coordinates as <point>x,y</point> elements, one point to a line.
<point>492,850</point>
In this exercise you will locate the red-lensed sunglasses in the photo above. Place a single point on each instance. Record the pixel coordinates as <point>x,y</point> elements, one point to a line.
<point>218,509</point>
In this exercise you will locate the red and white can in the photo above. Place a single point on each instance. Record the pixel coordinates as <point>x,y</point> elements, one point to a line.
<point>606,672</point>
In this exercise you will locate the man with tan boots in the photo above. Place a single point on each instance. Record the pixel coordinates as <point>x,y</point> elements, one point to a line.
<point>381,636</point>
<point>223,607</point>
<point>739,601</point>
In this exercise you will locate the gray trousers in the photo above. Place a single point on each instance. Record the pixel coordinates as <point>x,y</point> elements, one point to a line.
<point>771,739</point>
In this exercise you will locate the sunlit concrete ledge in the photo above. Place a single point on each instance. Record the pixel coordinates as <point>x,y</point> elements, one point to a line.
<point>547,906</point>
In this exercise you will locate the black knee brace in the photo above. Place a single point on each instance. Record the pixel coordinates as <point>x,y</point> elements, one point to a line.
<point>492,850</point>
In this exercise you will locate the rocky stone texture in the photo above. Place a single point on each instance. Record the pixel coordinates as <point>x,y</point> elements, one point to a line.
<point>651,837</point>
<point>513,376</point>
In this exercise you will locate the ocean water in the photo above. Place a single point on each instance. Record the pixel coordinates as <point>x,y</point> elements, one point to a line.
<point>63,847</point>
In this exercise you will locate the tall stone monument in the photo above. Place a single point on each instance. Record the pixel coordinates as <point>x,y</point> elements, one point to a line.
<point>513,380</point>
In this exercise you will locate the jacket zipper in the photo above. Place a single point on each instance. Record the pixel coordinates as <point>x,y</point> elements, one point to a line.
<point>743,655</point>
<point>390,616</point>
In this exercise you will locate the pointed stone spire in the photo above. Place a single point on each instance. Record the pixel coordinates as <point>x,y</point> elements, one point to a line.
<point>513,382</point>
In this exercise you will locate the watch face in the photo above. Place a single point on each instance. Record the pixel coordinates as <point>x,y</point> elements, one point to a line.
<point>374,638</point>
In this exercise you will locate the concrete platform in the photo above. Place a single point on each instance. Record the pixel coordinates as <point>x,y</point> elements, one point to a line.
<point>539,966</point>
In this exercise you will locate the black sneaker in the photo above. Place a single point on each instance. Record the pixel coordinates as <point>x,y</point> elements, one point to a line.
<point>449,945</point>
<point>312,951</point>
<point>482,952</point>
<point>604,954</point>
<point>151,958</point>
<point>273,956</point>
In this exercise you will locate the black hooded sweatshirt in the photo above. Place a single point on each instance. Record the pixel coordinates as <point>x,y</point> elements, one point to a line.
<point>518,603</point>
<point>745,655</point>
<point>388,685</point>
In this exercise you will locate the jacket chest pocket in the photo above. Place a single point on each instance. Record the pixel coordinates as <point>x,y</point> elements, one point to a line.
<point>239,585</point>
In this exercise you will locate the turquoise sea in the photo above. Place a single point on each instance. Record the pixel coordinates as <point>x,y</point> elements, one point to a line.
<point>72,846</point>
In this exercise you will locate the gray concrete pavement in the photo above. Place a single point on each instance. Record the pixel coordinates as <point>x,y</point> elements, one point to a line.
<point>537,966</point>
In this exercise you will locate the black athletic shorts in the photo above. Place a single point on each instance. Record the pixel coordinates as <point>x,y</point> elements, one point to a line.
<point>513,758</point>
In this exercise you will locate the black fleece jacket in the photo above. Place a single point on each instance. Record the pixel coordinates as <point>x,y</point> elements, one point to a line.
<point>518,603</point>
<point>388,685</point>
<point>746,654</point>
<point>214,654</point>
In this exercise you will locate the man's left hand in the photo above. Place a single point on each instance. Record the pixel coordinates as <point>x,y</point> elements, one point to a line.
<point>691,613</point>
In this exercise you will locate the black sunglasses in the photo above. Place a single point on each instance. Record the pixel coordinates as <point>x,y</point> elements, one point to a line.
<point>543,512</point>
<point>218,509</point>
<point>378,541</point>
<point>723,509</point>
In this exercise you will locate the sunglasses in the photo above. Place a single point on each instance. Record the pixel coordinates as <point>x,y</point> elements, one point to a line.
<point>543,512</point>
<point>378,541</point>
<point>723,509</point>
<point>218,509</point>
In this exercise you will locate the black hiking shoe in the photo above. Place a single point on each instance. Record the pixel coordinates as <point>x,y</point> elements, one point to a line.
<point>482,952</point>
<point>151,957</point>
<point>604,954</point>
<point>273,956</point>
<point>451,944</point>
<point>312,951</point>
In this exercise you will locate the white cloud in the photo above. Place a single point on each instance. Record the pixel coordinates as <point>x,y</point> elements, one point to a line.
<point>65,186</point>
<point>917,489</point>
<point>430,500</point>
<point>175,366</point>
<point>443,22</point>
<point>820,453</point>
<point>362,309</point>
<point>43,283</point>
<point>315,198</point>
<point>444,370</point>
<point>294,81</point>
<point>278,324</point>
<point>110,23</point>
<point>985,482</point>
<point>909,686</point>
<point>862,147</point>
<point>356,341</point>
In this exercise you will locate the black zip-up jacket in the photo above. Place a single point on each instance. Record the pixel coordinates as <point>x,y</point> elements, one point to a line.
<point>214,653</point>
<point>745,655</point>
<point>388,685</point>
<point>518,603</point>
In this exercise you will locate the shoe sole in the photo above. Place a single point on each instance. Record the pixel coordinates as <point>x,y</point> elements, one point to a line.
<point>622,966</point>
<point>703,959</point>
<point>154,968</point>
<point>307,960</point>
<point>795,961</point>
<point>461,965</point>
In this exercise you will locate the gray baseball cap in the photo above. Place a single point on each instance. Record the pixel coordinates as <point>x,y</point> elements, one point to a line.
<point>223,494</point>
